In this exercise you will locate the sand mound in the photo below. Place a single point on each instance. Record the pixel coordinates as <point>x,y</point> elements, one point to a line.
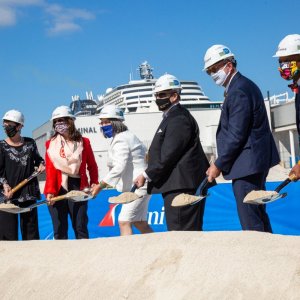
<point>171,265</point>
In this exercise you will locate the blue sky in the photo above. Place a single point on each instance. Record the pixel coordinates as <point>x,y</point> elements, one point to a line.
<point>51,50</point>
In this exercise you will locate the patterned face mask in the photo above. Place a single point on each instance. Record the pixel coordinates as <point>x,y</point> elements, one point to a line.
<point>61,127</point>
<point>10,130</point>
<point>288,70</point>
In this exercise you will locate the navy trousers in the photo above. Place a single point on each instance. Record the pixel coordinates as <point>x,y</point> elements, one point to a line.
<point>252,216</point>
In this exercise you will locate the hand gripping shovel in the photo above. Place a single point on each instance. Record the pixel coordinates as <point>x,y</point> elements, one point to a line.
<point>186,199</point>
<point>75,196</point>
<point>264,197</point>
<point>20,185</point>
<point>125,197</point>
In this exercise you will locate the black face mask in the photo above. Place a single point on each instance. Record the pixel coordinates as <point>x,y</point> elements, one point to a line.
<point>11,130</point>
<point>163,103</point>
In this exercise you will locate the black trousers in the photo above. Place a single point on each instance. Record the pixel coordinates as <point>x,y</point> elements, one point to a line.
<point>252,217</point>
<point>78,213</point>
<point>9,224</point>
<point>185,218</point>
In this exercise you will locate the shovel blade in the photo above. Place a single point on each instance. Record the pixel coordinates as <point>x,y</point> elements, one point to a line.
<point>80,198</point>
<point>124,198</point>
<point>186,199</point>
<point>262,197</point>
<point>16,210</point>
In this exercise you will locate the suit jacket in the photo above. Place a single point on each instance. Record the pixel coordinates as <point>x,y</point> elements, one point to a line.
<point>245,143</point>
<point>176,158</point>
<point>53,175</point>
<point>126,160</point>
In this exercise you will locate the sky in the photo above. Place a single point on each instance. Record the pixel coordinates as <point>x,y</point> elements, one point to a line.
<point>52,50</point>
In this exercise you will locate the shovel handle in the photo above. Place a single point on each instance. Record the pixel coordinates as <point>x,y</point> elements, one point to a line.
<point>24,182</point>
<point>20,185</point>
<point>57,198</point>
<point>134,187</point>
<point>291,178</point>
<point>202,186</point>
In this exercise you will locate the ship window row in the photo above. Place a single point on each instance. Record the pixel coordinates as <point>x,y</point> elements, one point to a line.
<point>192,88</point>
<point>189,82</point>
<point>141,96</point>
<point>192,94</point>
<point>139,90</point>
<point>150,85</point>
<point>193,99</point>
<point>133,85</point>
<point>204,105</point>
<point>122,87</point>
<point>137,102</point>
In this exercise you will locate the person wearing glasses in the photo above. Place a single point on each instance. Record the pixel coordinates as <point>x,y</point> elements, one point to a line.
<point>288,54</point>
<point>176,160</point>
<point>19,158</point>
<point>246,148</point>
<point>68,157</point>
<point>126,159</point>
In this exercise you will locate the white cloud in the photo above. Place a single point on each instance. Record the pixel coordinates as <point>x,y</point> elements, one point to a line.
<point>65,20</point>
<point>60,20</point>
<point>13,3</point>
<point>7,16</point>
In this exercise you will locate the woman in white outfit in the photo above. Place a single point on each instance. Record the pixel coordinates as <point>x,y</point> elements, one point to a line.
<point>126,160</point>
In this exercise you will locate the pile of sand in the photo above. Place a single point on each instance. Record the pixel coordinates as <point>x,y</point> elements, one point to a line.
<point>170,265</point>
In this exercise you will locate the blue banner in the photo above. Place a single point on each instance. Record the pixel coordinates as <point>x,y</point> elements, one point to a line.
<point>220,213</point>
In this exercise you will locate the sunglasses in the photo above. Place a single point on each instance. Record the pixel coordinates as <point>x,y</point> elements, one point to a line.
<point>216,67</point>
<point>163,94</point>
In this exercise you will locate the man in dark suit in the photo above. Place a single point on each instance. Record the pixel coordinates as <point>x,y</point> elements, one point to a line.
<point>288,54</point>
<point>176,161</point>
<point>245,145</point>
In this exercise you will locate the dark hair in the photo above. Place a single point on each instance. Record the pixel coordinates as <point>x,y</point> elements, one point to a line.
<point>118,126</point>
<point>74,134</point>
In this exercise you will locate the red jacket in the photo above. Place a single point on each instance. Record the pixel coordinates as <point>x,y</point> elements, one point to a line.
<point>53,176</point>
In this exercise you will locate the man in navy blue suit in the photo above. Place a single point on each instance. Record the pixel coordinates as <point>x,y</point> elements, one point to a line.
<point>288,54</point>
<point>245,145</point>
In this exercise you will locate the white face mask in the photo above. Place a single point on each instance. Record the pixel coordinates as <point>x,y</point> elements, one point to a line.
<point>220,77</point>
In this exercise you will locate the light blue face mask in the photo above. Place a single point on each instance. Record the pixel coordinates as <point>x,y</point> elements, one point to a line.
<point>107,131</point>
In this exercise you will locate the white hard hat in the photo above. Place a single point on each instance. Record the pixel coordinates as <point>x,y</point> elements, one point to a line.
<point>289,45</point>
<point>167,82</point>
<point>111,112</point>
<point>14,116</point>
<point>216,53</point>
<point>62,112</point>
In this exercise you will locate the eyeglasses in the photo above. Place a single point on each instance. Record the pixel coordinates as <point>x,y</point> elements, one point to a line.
<point>216,67</point>
<point>164,94</point>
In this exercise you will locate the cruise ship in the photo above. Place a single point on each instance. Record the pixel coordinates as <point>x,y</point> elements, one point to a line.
<point>141,114</point>
<point>142,117</point>
<point>137,95</point>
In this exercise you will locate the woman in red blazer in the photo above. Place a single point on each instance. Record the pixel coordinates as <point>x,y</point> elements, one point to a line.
<point>68,157</point>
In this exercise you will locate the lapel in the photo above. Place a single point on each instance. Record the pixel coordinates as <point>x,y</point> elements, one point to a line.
<point>165,120</point>
<point>236,77</point>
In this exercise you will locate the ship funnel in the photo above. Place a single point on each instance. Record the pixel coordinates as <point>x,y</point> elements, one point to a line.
<point>75,98</point>
<point>145,70</point>
<point>89,95</point>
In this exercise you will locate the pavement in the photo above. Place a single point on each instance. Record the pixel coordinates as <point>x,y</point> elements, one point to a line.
<point>277,173</point>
